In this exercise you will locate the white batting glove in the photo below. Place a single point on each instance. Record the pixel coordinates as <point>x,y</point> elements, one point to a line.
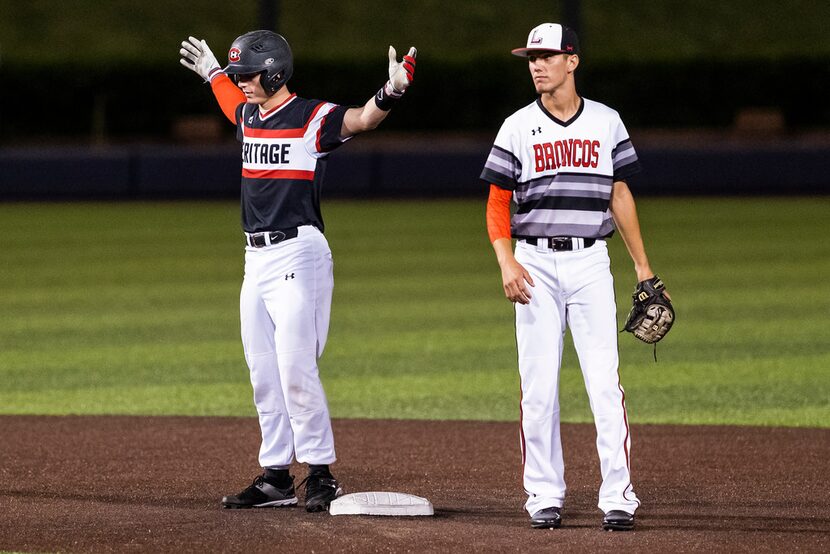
<point>196,56</point>
<point>401,74</point>
<point>400,77</point>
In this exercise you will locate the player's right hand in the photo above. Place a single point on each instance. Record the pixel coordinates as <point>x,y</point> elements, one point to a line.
<point>196,56</point>
<point>516,279</point>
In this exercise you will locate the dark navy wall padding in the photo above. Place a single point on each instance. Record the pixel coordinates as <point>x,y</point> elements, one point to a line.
<point>64,173</point>
<point>389,170</point>
<point>186,172</point>
<point>758,170</point>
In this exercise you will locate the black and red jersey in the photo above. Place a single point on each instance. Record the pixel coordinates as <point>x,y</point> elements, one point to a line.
<point>284,154</point>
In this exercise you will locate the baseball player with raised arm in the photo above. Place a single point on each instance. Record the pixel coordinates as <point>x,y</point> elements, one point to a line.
<point>565,161</point>
<point>287,288</point>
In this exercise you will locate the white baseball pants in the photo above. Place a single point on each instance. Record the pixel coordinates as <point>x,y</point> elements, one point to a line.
<point>574,289</point>
<point>285,305</point>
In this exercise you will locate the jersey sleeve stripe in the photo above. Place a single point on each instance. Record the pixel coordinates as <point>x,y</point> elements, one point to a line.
<point>501,168</point>
<point>623,151</point>
<point>626,171</point>
<point>625,161</point>
<point>498,152</point>
<point>313,128</point>
<point>498,164</point>
<point>314,113</point>
<point>297,174</point>
<point>489,176</point>
<point>320,134</point>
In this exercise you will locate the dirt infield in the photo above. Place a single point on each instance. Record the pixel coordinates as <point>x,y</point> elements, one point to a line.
<point>132,484</point>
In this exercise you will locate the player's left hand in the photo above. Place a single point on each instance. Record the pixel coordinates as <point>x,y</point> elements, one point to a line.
<point>652,313</point>
<point>196,56</point>
<point>401,74</point>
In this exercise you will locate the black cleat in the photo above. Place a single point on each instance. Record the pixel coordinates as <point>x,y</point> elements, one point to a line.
<point>618,520</point>
<point>547,518</point>
<point>261,494</point>
<point>320,490</point>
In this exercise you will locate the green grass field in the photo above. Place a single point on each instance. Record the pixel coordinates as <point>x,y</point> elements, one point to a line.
<point>132,308</point>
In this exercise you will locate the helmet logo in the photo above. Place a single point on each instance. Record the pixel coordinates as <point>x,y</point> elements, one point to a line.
<point>233,55</point>
<point>269,61</point>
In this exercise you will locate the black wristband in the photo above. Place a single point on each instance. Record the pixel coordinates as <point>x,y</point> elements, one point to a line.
<point>386,97</point>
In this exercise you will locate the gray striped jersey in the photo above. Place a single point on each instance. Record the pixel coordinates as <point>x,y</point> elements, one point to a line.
<point>561,172</point>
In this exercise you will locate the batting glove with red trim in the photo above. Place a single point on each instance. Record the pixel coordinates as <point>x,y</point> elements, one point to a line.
<point>401,74</point>
<point>196,56</point>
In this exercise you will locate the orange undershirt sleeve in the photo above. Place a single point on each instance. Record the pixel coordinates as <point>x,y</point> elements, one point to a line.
<point>498,213</point>
<point>228,95</point>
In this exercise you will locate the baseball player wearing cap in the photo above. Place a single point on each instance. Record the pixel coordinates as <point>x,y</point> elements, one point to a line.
<point>287,288</point>
<point>565,161</point>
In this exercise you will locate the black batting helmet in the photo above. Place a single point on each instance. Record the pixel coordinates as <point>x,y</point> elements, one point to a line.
<point>263,52</point>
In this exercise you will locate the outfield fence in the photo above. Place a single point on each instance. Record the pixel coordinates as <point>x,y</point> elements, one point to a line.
<point>420,167</point>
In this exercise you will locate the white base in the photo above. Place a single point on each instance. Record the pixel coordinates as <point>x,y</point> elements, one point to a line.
<point>381,504</point>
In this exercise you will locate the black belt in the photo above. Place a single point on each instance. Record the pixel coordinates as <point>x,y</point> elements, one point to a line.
<point>558,244</point>
<point>270,238</point>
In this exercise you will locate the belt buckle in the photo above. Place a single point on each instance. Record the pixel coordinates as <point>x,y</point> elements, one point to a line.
<point>258,240</point>
<point>561,243</point>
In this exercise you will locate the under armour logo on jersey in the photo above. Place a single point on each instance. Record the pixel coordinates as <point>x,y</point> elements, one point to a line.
<point>251,120</point>
<point>537,130</point>
<point>289,276</point>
